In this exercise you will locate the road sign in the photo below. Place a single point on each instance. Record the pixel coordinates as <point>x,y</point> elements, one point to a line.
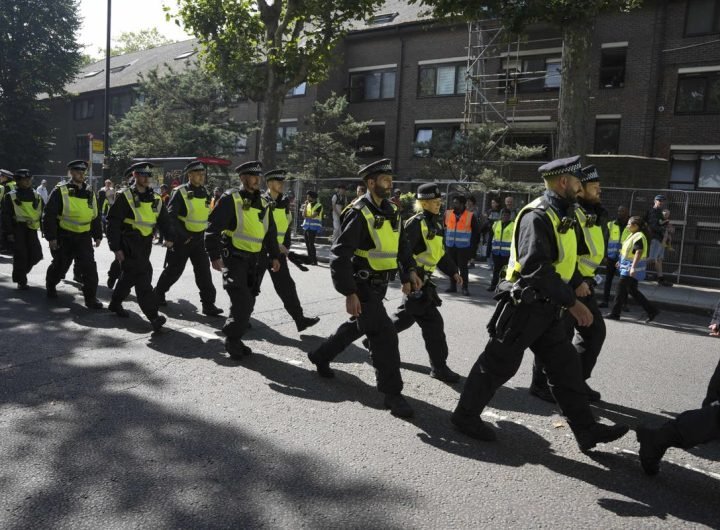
<point>98,146</point>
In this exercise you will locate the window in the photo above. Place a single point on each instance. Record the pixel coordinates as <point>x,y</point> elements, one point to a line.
<point>698,94</point>
<point>690,171</point>
<point>118,69</point>
<point>612,67</point>
<point>369,86</point>
<point>381,19</point>
<point>185,55</point>
<point>84,109</point>
<point>241,144</point>
<point>82,146</point>
<point>285,132</point>
<point>441,80</point>
<point>607,137</point>
<point>532,74</point>
<point>372,143</point>
<point>429,138</point>
<point>92,74</point>
<point>702,17</point>
<point>297,91</point>
<point>120,104</point>
<point>533,139</point>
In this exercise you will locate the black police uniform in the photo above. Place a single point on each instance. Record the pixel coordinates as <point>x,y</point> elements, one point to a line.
<point>71,245</point>
<point>136,267</point>
<point>243,270</point>
<point>282,280</point>
<point>187,245</point>
<point>611,266</point>
<point>352,274</point>
<point>27,249</point>
<point>530,316</point>
<point>423,308</point>
<point>5,244</point>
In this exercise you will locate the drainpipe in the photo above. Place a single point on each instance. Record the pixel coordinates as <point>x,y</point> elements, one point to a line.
<point>399,87</point>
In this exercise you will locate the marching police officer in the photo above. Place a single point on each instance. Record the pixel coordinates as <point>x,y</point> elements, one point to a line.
<point>71,222</point>
<point>131,221</point>
<point>240,228</point>
<point>529,315</point>
<point>424,233</point>
<point>6,184</point>
<point>590,230</point>
<point>189,208</point>
<point>21,212</point>
<point>366,256</point>
<point>282,281</point>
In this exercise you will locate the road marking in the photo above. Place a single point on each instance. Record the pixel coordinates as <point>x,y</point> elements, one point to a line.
<point>199,333</point>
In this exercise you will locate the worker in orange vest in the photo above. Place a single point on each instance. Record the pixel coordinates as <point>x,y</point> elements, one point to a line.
<point>462,235</point>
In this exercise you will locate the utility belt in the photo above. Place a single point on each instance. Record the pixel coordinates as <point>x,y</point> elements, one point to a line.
<point>524,294</point>
<point>374,278</point>
<point>228,252</point>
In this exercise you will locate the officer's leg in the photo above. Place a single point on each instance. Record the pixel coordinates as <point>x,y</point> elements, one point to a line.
<point>639,297</point>
<point>335,344</point>
<point>402,319</point>
<point>713,390</point>
<point>146,298</point>
<point>286,290</point>
<point>125,282</point>
<point>203,277</point>
<point>588,341</point>
<point>539,386</point>
<point>61,260</point>
<point>433,332</point>
<point>235,283</point>
<point>610,272</point>
<point>21,258</point>
<point>85,260</point>
<point>175,261</point>
<point>620,297</point>
<point>35,254</point>
<point>113,273</point>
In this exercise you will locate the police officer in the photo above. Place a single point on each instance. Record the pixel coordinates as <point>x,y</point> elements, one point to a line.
<point>366,256</point>
<point>71,222</point>
<point>312,211</point>
<point>240,228</point>
<point>529,314</point>
<point>113,274</point>
<point>424,233</point>
<point>6,184</point>
<point>282,281</point>
<point>502,231</point>
<point>189,208</point>
<point>21,211</point>
<point>617,234</point>
<point>590,232</point>
<point>131,220</point>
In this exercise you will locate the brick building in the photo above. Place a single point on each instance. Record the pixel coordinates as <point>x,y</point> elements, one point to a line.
<point>655,91</point>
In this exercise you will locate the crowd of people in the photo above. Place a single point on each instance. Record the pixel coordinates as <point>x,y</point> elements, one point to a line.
<point>546,258</point>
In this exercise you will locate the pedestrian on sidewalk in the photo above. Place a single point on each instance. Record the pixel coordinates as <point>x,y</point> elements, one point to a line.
<point>338,201</point>
<point>632,268</point>
<point>657,226</point>
<point>43,191</point>
<point>617,234</point>
<point>312,212</point>
<point>502,233</point>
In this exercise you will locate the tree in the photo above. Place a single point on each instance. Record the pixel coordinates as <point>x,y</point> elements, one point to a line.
<point>135,41</point>
<point>181,114</point>
<point>38,55</point>
<point>263,49</point>
<point>576,18</point>
<point>325,148</point>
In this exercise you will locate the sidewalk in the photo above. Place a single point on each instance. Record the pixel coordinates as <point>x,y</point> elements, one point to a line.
<point>690,299</point>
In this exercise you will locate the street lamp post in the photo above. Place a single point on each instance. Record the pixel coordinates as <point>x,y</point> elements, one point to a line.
<point>106,154</point>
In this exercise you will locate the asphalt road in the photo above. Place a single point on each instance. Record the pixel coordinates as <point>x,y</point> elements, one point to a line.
<point>104,425</point>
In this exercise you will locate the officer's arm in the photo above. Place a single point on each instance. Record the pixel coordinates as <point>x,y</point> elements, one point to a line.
<point>176,207</point>
<point>536,252</point>
<point>270,242</point>
<point>447,266</point>
<point>406,260</point>
<point>476,234</point>
<point>221,218</point>
<point>116,215</point>
<point>413,233</point>
<point>341,253</point>
<point>49,218</point>
<point>287,241</point>
<point>167,228</point>
<point>96,224</point>
<point>8,222</point>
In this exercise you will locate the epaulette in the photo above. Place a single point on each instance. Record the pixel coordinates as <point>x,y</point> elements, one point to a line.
<point>419,216</point>
<point>230,191</point>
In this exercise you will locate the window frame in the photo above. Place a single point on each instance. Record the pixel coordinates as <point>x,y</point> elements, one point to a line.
<point>716,18</point>
<point>606,121</point>
<point>605,68</point>
<point>292,92</point>
<point>459,73</point>
<point>367,136</point>
<point>282,138</point>
<point>82,152</point>
<point>453,128</point>
<point>707,77</point>
<point>89,104</point>
<point>364,74</point>
<point>518,76</point>
<point>696,172</point>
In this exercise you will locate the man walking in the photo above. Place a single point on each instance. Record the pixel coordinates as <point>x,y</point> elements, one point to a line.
<point>658,225</point>
<point>339,201</point>
<point>462,236</point>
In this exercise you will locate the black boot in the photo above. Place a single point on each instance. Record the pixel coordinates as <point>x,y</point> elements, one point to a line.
<point>473,426</point>
<point>51,292</point>
<point>398,406</point>
<point>303,323</point>
<point>654,443</point>
<point>237,349</point>
<point>597,433</point>
<point>23,286</point>
<point>118,309</point>
<point>323,367</point>
<point>444,374</point>
<point>211,310</point>
<point>541,391</point>
<point>160,297</point>
<point>158,322</point>
<point>93,303</point>
<point>593,395</point>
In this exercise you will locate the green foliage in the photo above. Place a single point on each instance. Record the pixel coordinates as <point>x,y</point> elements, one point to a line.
<point>182,114</point>
<point>325,148</point>
<point>38,54</point>
<point>135,41</point>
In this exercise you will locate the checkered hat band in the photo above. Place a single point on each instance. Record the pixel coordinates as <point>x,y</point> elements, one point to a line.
<point>427,196</point>
<point>562,170</point>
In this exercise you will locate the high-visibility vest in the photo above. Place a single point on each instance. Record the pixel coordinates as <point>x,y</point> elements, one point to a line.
<point>282,222</point>
<point>458,232</point>
<point>434,250</point>
<point>386,241</point>
<point>313,217</point>
<point>616,239</point>
<point>502,238</point>
<point>627,256</point>
<point>77,214</point>
<point>197,211</point>
<point>250,229</point>
<point>594,241</point>
<point>566,245</point>
<point>145,214</point>
<point>27,212</point>
<point>6,188</point>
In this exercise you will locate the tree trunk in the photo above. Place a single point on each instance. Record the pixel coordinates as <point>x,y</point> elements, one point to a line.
<point>573,112</point>
<point>272,106</point>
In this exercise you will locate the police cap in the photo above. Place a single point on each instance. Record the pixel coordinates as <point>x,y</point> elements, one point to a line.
<point>250,168</point>
<point>275,174</point>
<point>381,167</point>
<point>143,168</point>
<point>590,174</point>
<point>22,173</point>
<point>6,173</point>
<point>195,165</point>
<point>562,166</point>
<point>660,197</point>
<point>426,192</point>
<point>79,165</point>
<point>127,173</point>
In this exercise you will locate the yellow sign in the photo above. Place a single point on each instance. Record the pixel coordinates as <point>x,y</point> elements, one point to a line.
<point>98,146</point>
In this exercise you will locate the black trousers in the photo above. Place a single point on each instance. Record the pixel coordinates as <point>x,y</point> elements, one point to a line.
<point>175,260</point>
<point>587,341</point>
<point>498,263</point>
<point>309,237</point>
<point>28,252</point>
<point>284,286</point>
<point>627,286</point>
<point>114,271</point>
<point>610,273</point>
<point>77,247</point>
<point>241,281</point>
<point>537,327</point>
<point>461,257</point>
<point>425,314</point>
<point>137,271</point>
<point>376,325</point>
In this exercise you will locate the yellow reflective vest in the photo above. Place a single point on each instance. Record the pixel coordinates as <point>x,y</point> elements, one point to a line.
<point>627,255</point>
<point>502,238</point>
<point>594,241</point>
<point>250,229</point>
<point>145,214</point>
<point>434,248</point>
<point>386,239</point>
<point>77,213</point>
<point>27,212</point>
<point>616,239</point>
<point>197,210</point>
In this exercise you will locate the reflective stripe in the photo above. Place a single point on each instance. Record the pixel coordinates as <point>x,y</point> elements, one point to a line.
<point>458,232</point>
<point>434,251</point>
<point>502,238</point>
<point>385,240</point>
<point>249,232</point>
<point>144,216</point>
<point>27,212</point>
<point>313,217</point>
<point>616,239</point>
<point>77,215</point>
<point>593,237</point>
<point>197,209</point>
<point>627,256</point>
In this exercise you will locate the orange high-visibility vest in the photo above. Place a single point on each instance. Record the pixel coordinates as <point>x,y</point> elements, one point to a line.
<point>458,232</point>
